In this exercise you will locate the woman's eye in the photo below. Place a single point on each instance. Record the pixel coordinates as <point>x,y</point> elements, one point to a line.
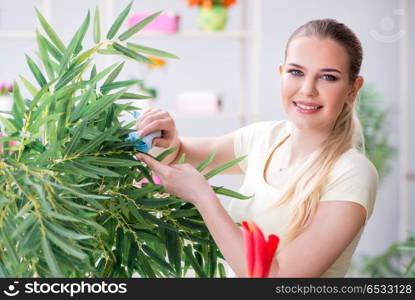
<point>295,72</point>
<point>330,77</point>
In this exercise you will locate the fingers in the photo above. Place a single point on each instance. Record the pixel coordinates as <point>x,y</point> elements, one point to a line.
<point>150,115</point>
<point>158,167</point>
<point>158,124</point>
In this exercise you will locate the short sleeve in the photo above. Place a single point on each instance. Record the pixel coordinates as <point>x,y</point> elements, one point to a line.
<point>245,138</point>
<point>355,179</point>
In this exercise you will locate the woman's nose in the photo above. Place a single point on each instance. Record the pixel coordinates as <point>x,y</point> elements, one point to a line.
<point>308,87</point>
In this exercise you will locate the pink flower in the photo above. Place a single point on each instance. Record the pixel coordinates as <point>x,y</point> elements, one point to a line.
<point>156,180</point>
<point>258,252</point>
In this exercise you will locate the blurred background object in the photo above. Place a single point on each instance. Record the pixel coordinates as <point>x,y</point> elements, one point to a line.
<point>240,63</point>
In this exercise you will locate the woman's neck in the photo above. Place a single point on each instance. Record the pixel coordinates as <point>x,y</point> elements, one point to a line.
<point>302,143</point>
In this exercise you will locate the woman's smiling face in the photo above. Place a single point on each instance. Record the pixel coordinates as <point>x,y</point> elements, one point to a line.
<point>315,73</point>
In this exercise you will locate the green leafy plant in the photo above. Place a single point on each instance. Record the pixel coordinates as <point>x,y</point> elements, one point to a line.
<point>373,118</point>
<point>397,261</point>
<point>68,204</point>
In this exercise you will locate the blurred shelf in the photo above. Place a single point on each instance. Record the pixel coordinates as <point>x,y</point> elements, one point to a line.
<point>195,35</point>
<point>17,34</point>
<point>176,114</point>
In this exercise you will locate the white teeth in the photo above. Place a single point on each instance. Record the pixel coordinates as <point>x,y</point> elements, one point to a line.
<point>307,107</point>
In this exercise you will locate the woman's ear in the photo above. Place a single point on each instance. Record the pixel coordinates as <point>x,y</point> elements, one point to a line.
<point>355,89</point>
<point>280,68</point>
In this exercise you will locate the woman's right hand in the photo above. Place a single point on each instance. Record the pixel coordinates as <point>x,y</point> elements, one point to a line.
<point>153,119</point>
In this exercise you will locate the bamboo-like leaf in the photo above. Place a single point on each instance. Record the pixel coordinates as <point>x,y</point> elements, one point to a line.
<point>226,192</point>
<point>223,167</point>
<point>50,32</point>
<point>97,26</point>
<point>166,153</point>
<point>94,143</point>
<point>184,213</point>
<point>44,57</point>
<point>105,88</point>
<point>193,262</point>
<point>75,139</point>
<point>66,247</point>
<point>157,202</point>
<point>55,52</point>
<point>222,271</point>
<point>64,232</point>
<point>50,258</point>
<point>74,44</point>
<point>112,162</point>
<point>193,225</point>
<point>29,86</point>
<point>134,96</point>
<point>85,55</point>
<point>9,126</point>
<point>132,54</point>
<point>137,27</point>
<point>182,158</point>
<point>118,22</point>
<point>101,104</point>
<point>206,162</point>
<point>71,74</point>
<point>36,72</point>
<point>111,77</point>
<point>172,242</point>
<point>95,170</point>
<point>88,96</point>
<point>19,107</point>
<point>160,261</point>
<point>151,51</point>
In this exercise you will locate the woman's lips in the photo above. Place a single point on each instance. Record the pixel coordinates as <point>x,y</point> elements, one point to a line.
<point>305,111</point>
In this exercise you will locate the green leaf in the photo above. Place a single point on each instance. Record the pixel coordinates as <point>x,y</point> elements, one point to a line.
<point>85,55</point>
<point>166,153</point>
<point>223,167</point>
<point>193,262</point>
<point>88,96</point>
<point>101,104</point>
<point>75,139</point>
<point>97,26</point>
<point>134,96</point>
<point>95,143</point>
<point>222,271</point>
<point>19,107</point>
<point>74,44</point>
<point>160,261</point>
<point>50,32</point>
<point>112,162</point>
<point>182,158</point>
<point>151,51</point>
<point>95,170</point>
<point>66,246</point>
<point>137,27</point>
<point>44,57</point>
<point>64,232</point>
<point>206,162</point>
<point>52,49</point>
<point>118,22</point>
<point>157,202</point>
<point>50,258</point>
<point>172,242</point>
<point>130,53</point>
<point>29,86</point>
<point>111,77</point>
<point>71,74</point>
<point>105,88</point>
<point>36,72</point>
<point>193,225</point>
<point>226,192</point>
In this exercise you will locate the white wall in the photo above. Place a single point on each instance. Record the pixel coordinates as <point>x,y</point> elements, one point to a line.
<point>214,64</point>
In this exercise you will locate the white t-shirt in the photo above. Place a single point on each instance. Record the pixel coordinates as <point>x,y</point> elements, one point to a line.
<point>352,178</point>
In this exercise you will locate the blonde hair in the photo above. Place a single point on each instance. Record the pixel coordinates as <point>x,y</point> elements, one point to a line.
<point>305,188</point>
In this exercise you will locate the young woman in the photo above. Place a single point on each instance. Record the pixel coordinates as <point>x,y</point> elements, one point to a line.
<point>312,185</point>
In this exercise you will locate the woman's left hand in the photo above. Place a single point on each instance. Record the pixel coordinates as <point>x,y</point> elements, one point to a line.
<point>181,180</point>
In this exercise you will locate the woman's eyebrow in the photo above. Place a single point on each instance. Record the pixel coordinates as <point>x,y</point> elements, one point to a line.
<point>324,70</point>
